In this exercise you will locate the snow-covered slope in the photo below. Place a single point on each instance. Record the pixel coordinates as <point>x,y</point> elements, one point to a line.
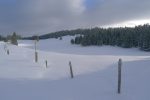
<point>95,71</point>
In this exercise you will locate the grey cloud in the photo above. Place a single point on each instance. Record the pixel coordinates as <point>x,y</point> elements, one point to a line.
<point>43,16</point>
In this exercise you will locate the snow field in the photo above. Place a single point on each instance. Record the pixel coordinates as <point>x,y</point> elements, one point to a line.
<point>95,71</point>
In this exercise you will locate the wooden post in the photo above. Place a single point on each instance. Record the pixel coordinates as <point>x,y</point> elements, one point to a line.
<point>46,63</point>
<point>35,45</point>
<point>71,71</point>
<point>36,53</point>
<point>8,52</point>
<point>119,75</point>
<point>36,56</point>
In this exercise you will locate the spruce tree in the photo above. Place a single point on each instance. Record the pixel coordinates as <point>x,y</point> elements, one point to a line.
<point>14,39</point>
<point>72,41</point>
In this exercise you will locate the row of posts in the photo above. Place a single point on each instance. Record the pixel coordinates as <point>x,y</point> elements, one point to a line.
<point>119,74</point>
<point>70,65</point>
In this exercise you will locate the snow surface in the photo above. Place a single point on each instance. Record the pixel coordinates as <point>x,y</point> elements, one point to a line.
<point>95,71</point>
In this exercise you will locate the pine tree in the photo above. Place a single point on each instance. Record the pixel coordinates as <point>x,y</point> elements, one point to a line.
<point>14,39</point>
<point>72,41</point>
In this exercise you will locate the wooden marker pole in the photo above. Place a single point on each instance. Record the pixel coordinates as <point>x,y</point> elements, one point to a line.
<point>46,63</point>
<point>8,52</point>
<point>36,56</point>
<point>71,71</point>
<point>36,53</point>
<point>119,75</point>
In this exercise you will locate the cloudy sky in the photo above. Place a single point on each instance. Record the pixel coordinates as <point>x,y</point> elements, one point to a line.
<point>29,17</point>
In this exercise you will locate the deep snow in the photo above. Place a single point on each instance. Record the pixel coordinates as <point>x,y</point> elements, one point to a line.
<point>95,70</point>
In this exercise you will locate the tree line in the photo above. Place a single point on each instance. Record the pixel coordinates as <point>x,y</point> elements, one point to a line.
<point>126,37</point>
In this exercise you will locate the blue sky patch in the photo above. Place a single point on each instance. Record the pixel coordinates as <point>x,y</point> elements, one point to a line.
<point>92,3</point>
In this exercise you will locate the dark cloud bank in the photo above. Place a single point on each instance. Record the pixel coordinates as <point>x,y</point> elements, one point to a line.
<point>29,17</point>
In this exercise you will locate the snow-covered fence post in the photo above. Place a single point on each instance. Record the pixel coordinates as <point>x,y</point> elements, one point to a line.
<point>119,75</point>
<point>46,63</point>
<point>36,53</point>
<point>71,71</point>
<point>6,48</point>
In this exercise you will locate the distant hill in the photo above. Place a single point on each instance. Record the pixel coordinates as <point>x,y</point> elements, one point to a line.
<point>125,37</point>
<point>60,34</point>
